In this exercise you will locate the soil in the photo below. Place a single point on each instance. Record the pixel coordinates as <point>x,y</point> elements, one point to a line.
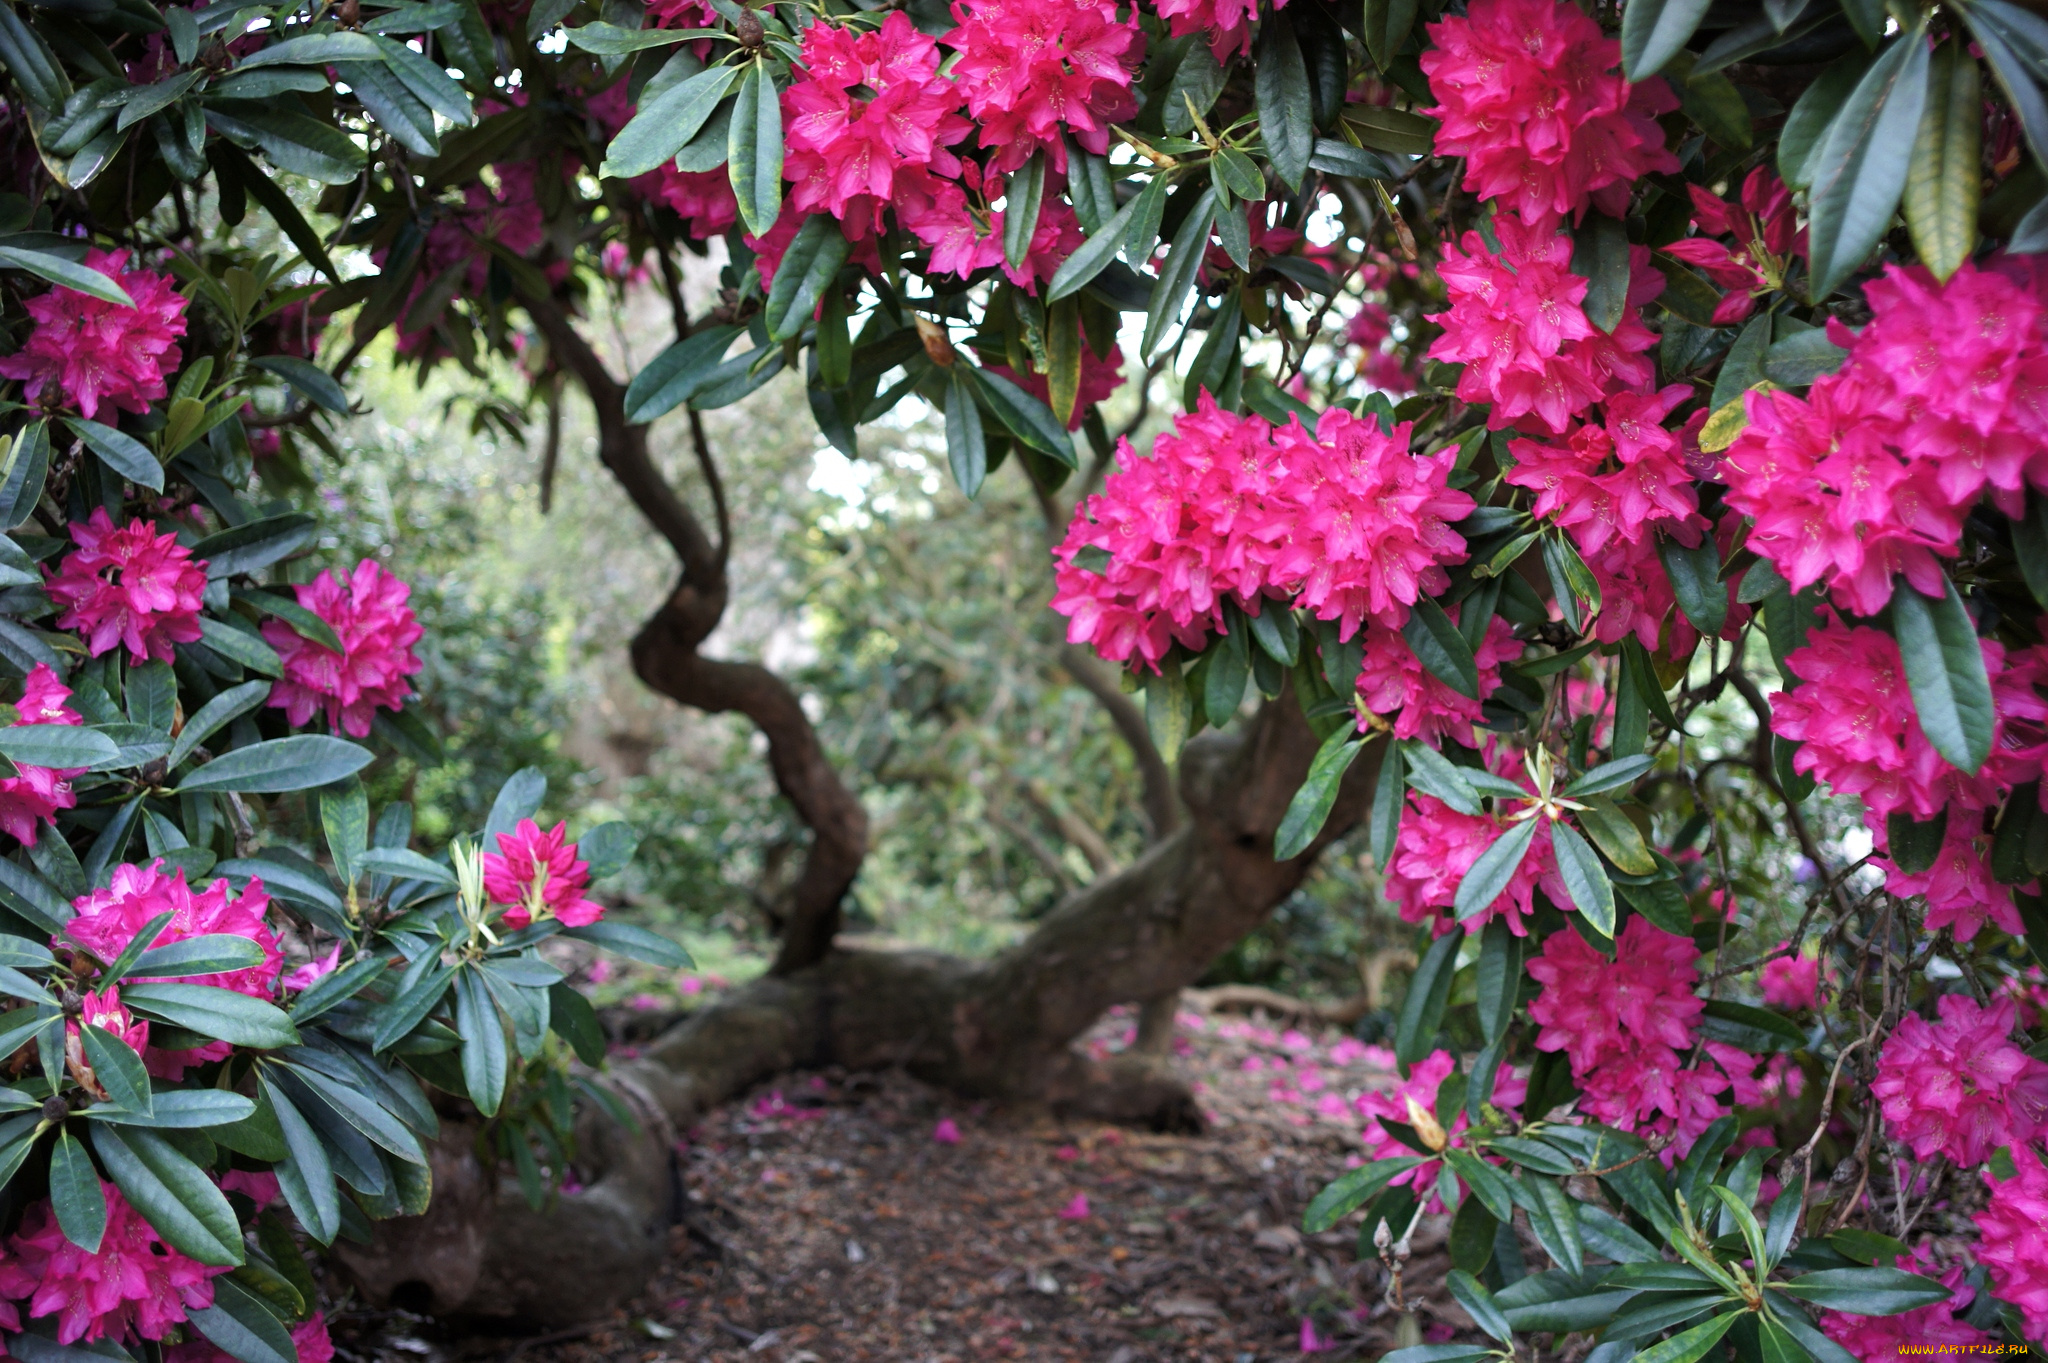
<point>831,1218</point>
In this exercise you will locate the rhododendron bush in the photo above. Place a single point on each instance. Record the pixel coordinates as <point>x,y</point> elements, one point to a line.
<point>1558,390</point>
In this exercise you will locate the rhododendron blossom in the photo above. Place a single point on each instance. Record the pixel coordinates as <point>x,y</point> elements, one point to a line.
<point>34,794</point>
<point>1438,846</point>
<point>539,875</point>
<point>134,1281</point>
<point>1393,682</point>
<point>1413,1102</point>
<point>1031,69</point>
<point>1226,22</point>
<point>377,630</point>
<point>1959,1086</point>
<point>1767,236</point>
<point>129,587</point>
<point>2014,1243</point>
<point>1528,93</point>
<point>105,1011</point>
<point>1791,982</point>
<point>95,352</point>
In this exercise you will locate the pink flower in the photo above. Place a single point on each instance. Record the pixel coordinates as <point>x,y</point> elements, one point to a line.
<point>1392,681</point>
<point>539,875</point>
<point>1767,237</point>
<point>259,1186</point>
<point>1031,69</point>
<point>1792,982</point>
<point>34,794</point>
<point>1076,1210</point>
<point>305,976</point>
<point>1624,479</point>
<point>102,1010</point>
<point>1959,1086</point>
<point>129,586</point>
<point>1528,93</point>
<point>310,1335</point>
<point>946,1132</point>
<point>703,199</point>
<point>1227,22</point>
<point>1517,324</point>
<point>1311,1342</point>
<point>1412,1102</point>
<point>863,108</point>
<point>1886,1339</point>
<point>109,918</point>
<point>1371,525</point>
<point>1855,720</point>
<point>134,1281</point>
<point>1438,846</point>
<point>98,352</point>
<point>2014,1243</point>
<point>377,629</point>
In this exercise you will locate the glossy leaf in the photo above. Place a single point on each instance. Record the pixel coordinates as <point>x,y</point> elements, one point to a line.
<point>1859,169</point>
<point>1490,875</point>
<point>1945,669</point>
<point>1310,808</point>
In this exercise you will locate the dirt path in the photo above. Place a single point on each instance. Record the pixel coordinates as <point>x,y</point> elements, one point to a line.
<point>834,1218</point>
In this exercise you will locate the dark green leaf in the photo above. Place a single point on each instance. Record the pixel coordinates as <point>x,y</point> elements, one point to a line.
<point>1600,256</point>
<point>1801,358</point>
<point>61,746</point>
<point>1860,168</point>
<point>1441,648</point>
<point>1285,100</point>
<point>1183,263</point>
<point>1353,1190</point>
<point>317,385</point>
<point>1430,772</point>
<point>1030,420</point>
<point>1490,874</point>
<point>1753,1029</point>
<point>1651,34</point>
<point>1945,668</point>
<point>1310,808</point>
<point>1500,978</point>
<point>75,1194</point>
<point>69,274</point>
<point>219,1013</point>
<point>966,443</point>
<point>1423,1008</point>
<point>1584,878</point>
<point>1024,194</point>
<point>1865,1291</point>
<point>1479,1304</point>
<point>280,765</point>
<point>755,150</point>
<point>1695,575</point>
<point>124,454</point>
<point>665,124</point>
<point>1389,799</point>
<point>483,1042</point>
<point>809,268</point>
<point>173,1194</point>
<point>255,545</point>
<point>674,376</point>
<point>242,1326</point>
<point>634,942</point>
<point>305,1175</point>
<point>216,715</point>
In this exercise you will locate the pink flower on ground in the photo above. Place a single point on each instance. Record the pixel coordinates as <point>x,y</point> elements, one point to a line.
<point>377,629</point>
<point>2014,1239</point>
<point>135,1280</point>
<point>1311,1342</point>
<point>1527,91</point>
<point>1031,69</point>
<point>1371,529</point>
<point>1959,1086</point>
<point>34,794</point>
<point>108,919</point>
<point>539,875</point>
<point>1077,1210</point>
<point>863,107</point>
<point>129,586</point>
<point>98,352</point>
<point>1887,1339</point>
<point>946,1132</point>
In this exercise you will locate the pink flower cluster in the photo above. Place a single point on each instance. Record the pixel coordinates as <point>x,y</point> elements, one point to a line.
<point>134,1281</point>
<point>1622,480</point>
<point>1943,397</point>
<point>1767,237</point>
<point>2014,1243</point>
<point>1032,69</point>
<point>1227,22</point>
<point>539,875</point>
<point>1860,733</point>
<point>1791,983</point>
<point>129,586</point>
<point>109,918</point>
<point>1438,846</point>
<point>1625,1025</point>
<point>97,352</point>
<point>377,629</point>
<point>1412,1102</point>
<point>1518,325</point>
<point>1392,681</point>
<point>34,794</point>
<point>102,1009</point>
<point>1959,1086</point>
<point>1347,521</point>
<point>1528,93</point>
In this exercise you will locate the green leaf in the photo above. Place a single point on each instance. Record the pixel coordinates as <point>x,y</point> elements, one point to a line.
<point>1552,1216</point>
<point>809,268</point>
<point>1422,1009</point>
<point>314,49</point>
<point>483,1042</point>
<point>1430,772</point>
<point>1441,648</point>
<point>1030,420</point>
<point>240,1325</point>
<point>1865,1291</point>
<point>1944,182</point>
<point>1913,844</point>
<point>240,643</point>
<point>1352,1190</point>
<point>181,1110</point>
<point>1310,808</point>
<point>1500,979</point>
<point>1095,254</point>
<point>665,124</point>
<point>70,274</point>
<point>1711,100</point>
<point>1799,359</point>
<point>1286,102</point>
<point>1812,114</point>
<point>294,142</point>
<point>611,40</point>
<point>317,385</point>
<point>1473,1229</point>
<point>1600,256</point>
<point>305,1176</point>
<point>1691,1344</point>
<point>334,987</point>
<point>1479,1304</point>
<point>420,989</point>
<point>221,1014</point>
<point>1616,835</point>
<point>405,864</point>
<point>575,1021</point>
<point>1945,669</point>
<point>280,765</point>
<point>118,1068</point>
<point>1653,33</point>
<point>2010,42</point>
<point>1276,633</point>
<point>608,848</point>
<point>1387,25</point>
<point>255,545</point>
<point>1489,1186</point>
<point>1753,1029</point>
<point>124,454</point>
<point>754,149</point>
<point>1183,263</point>
<point>1024,194</point>
<point>1389,799</point>
<point>62,746</point>
<point>674,376</point>
<point>361,1111</point>
<point>1860,168</point>
<point>1494,869</point>
<point>173,1194</point>
<point>1169,712</point>
<point>1695,575</point>
<point>1584,878</point>
<point>635,942</point>
<point>1615,775</point>
<point>75,1194</point>
<point>966,443</point>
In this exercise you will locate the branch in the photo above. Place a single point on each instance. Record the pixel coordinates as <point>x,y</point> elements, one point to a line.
<point>1162,802</point>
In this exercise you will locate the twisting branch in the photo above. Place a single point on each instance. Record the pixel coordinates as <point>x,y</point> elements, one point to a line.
<point>665,654</point>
